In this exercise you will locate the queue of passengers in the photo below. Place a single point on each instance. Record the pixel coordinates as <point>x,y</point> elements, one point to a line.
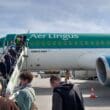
<point>10,57</point>
<point>7,62</point>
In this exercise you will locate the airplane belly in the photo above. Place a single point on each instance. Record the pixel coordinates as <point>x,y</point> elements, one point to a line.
<point>60,59</point>
<point>63,59</point>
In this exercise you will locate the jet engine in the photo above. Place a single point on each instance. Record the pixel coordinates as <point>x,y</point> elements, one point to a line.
<point>103,70</point>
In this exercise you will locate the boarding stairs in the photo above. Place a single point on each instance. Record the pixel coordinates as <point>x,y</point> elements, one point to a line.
<point>14,80</point>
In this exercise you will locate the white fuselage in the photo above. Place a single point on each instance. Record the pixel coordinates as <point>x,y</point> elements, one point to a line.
<point>50,59</point>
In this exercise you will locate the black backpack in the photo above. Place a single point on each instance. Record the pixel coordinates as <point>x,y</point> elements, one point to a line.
<point>70,98</point>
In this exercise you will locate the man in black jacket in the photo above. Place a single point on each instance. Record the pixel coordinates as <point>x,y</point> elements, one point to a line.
<point>7,62</point>
<point>3,69</point>
<point>65,96</point>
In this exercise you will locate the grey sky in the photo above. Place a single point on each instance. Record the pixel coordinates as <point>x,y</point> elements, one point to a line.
<point>19,16</point>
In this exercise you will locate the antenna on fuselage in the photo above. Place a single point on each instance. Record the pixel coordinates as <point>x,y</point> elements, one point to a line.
<point>28,31</point>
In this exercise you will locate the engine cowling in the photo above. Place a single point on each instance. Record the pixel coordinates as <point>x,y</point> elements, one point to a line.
<point>103,70</point>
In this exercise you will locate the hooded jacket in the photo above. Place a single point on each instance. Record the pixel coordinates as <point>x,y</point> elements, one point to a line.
<point>67,97</point>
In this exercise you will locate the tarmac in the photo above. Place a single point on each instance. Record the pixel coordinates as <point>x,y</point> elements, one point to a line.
<point>44,94</point>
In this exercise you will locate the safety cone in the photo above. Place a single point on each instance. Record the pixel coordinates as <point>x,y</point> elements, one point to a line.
<point>92,94</point>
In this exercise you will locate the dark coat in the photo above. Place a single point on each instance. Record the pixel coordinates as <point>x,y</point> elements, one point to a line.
<point>3,69</point>
<point>7,63</point>
<point>67,97</point>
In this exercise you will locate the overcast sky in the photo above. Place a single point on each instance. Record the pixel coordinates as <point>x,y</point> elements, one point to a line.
<point>19,16</point>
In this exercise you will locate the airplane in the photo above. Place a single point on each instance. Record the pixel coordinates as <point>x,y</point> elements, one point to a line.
<point>62,51</point>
